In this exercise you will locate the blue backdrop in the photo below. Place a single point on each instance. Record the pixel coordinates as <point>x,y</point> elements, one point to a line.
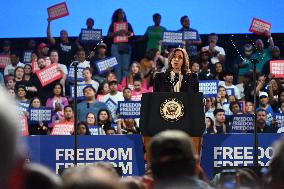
<point>29,18</point>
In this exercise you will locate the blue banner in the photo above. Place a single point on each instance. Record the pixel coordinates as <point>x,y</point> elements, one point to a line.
<point>56,152</point>
<point>230,92</point>
<point>90,35</point>
<point>190,35</point>
<point>279,117</point>
<point>22,107</point>
<point>242,123</point>
<point>27,57</point>
<point>209,88</point>
<point>172,38</point>
<point>95,130</point>
<point>129,109</point>
<point>105,64</point>
<point>80,93</point>
<point>234,150</point>
<point>40,114</point>
<point>80,76</point>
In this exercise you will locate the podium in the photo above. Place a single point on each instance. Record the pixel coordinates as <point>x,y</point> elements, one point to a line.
<point>175,111</point>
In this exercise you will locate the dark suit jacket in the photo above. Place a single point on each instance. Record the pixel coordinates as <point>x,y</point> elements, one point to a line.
<point>162,83</point>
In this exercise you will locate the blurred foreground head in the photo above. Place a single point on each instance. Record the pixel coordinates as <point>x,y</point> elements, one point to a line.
<point>172,155</point>
<point>8,136</point>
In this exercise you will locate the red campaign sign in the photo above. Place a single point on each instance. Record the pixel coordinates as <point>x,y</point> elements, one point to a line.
<point>57,11</point>
<point>23,126</point>
<point>35,66</point>
<point>259,27</point>
<point>49,74</point>
<point>62,129</point>
<point>277,68</point>
<point>120,26</point>
<point>4,61</point>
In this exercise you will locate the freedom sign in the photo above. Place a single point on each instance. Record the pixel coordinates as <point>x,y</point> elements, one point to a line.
<point>49,74</point>
<point>71,71</point>
<point>124,151</point>
<point>23,125</point>
<point>90,35</point>
<point>27,56</point>
<point>209,88</point>
<point>4,61</point>
<point>129,109</point>
<point>62,129</point>
<point>190,35</point>
<point>40,114</point>
<point>120,26</point>
<point>277,68</point>
<point>105,64</point>
<point>80,93</point>
<point>259,26</point>
<point>234,150</point>
<point>242,123</point>
<point>279,117</point>
<point>57,11</point>
<point>172,38</point>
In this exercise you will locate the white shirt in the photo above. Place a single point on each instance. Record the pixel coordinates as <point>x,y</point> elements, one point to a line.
<point>84,64</point>
<point>215,59</point>
<point>117,97</point>
<point>9,69</point>
<point>236,89</point>
<point>63,68</point>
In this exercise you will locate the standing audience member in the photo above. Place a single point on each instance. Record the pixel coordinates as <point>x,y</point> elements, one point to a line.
<point>82,129</point>
<point>261,125</point>
<point>228,84</point>
<point>87,74</point>
<point>15,62</point>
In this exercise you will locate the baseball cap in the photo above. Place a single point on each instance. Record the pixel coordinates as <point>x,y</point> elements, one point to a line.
<point>263,94</point>
<point>102,45</point>
<point>42,45</point>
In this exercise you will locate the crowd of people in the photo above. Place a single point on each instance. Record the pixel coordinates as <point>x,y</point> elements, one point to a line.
<point>128,80</point>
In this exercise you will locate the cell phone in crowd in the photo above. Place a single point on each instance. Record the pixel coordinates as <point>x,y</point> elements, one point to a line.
<point>229,179</point>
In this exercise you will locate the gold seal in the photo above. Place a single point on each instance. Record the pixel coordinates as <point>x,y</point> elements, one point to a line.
<point>172,110</point>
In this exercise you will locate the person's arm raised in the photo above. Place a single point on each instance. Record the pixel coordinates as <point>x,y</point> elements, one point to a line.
<point>50,39</point>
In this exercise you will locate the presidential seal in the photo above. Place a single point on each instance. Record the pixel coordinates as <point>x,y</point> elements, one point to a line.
<point>172,110</point>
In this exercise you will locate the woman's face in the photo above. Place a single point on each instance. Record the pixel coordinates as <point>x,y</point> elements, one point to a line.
<point>27,70</point>
<point>232,98</point>
<point>111,77</point>
<point>36,103</point>
<point>274,85</point>
<point>134,68</point>
<point>103,116</point>
<point>222,92</point>
<point>177,60</point>
<point>120,15</point>
<point>218,68</point>
<point>106,88</point>
<point>19,73</point>
<point>91,119</point>
<point>208,122</point>
<point>21,93</point>
<point>249,107</point>
<point>82,129</point>
<point>87,75</point>
<point>195,67</point>
<point>57,90</point>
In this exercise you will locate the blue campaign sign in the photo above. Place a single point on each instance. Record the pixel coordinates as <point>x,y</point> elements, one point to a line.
<point>190,35</point>
<point>209,88</point>
<point>40,114</point>
<point>22,107</point>
<point>172,38</point>
<point>129,109</point>
<point>95,130</point>
<point>90,35</point>
<point>80,94</point>
<point>242,123</point>
<point>230,92</point>
<point>79,74</point>
<point>222,150</point>
<point>56,152</point>
<point>279,117</point>
<point>27,56</point>
<point>105,64</point>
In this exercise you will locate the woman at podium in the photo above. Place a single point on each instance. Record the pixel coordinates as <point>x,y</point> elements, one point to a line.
<point>178,77</point>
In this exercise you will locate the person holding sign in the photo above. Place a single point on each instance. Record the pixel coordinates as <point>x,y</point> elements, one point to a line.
<point>120,30</point>
<point>193,38</point>
<point>275,53</point>
<point>178,77</point>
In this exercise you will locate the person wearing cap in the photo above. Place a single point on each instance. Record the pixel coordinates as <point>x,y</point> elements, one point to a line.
<point>264,105</point>
<point>228,84</point>
<point>174,162</point>
<point>242,65</point>
<point>66,49</point>
<point>42,50</point>
<point>89,104</point>
<point>190,45</point>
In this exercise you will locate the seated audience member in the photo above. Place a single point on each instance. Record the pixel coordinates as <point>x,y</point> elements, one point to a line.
<point>11,92</point>
<point>190,45</point>
<point>127,94</point>
<point>21,93</point>
<point>138,89</point>
<point>10,82</point>
<point>249,107</point>
<point>235,108</point>
<point>19,74</point>
<point>264,105</point>
<point>218,72</point>
<point>217,53</point>
<point>128,81</point>
<point>68,116</point>
<point>92,125</point>
<point>102,91</point>
<point>89,104</point>
<point>104,119</point>
<point>210,127</point>
<point>128,126</point>
<point>15,62</point>
<point>249,88</point>
<point>174,162</point>
<point>195,68</point>
<point>110,131</point>
<point>39,128</point>
<point>37,176</point>
<point>110,77</point>
<point>132,183</point>
<point>222,99</point>
<point>27,72</point>
<point>81,58</point>
<point>274,90</point>
<point>209,108</point>
<point>275,177</point>
<point>220,120</point>
<point>66,49</point>
<point>87,74</point>
<point>57,102</point>
<point>83,129</point>
<point>261,125</point>
<point>228,84</point>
